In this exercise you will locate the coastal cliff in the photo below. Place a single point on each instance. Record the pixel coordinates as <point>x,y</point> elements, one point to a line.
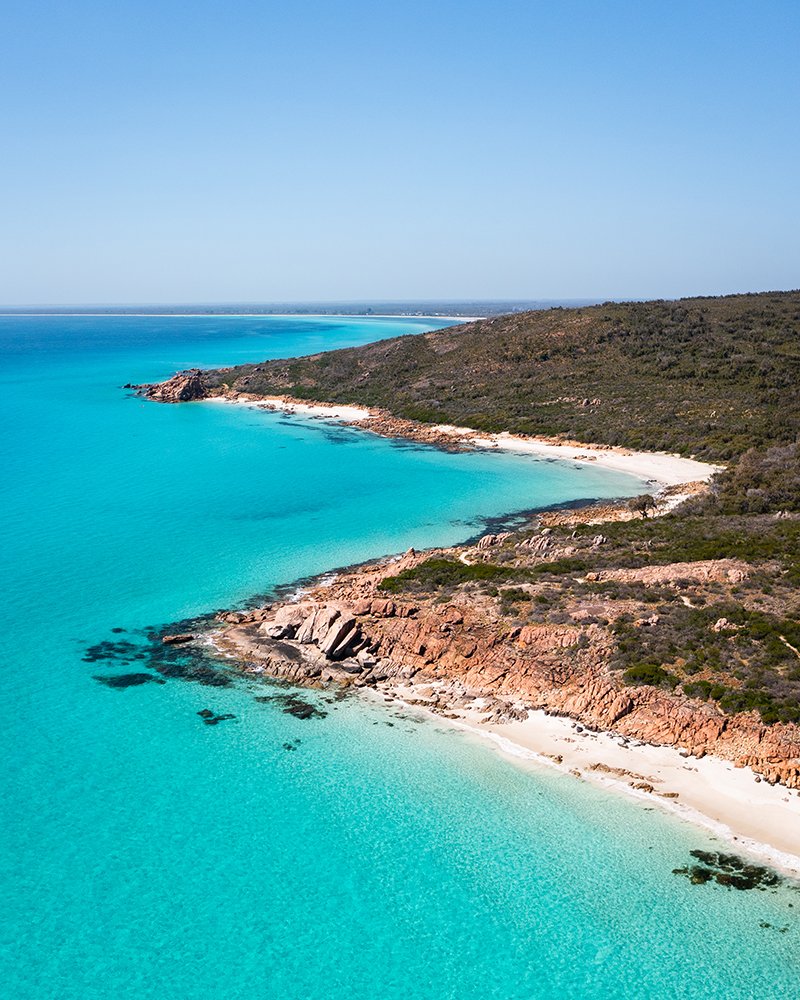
<point>181,388</point>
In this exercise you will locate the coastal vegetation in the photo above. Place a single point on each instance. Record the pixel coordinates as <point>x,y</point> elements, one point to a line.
<point>735,642</point>
<point>712,377</point>
<point>440,574</point>
<point>732,642</point>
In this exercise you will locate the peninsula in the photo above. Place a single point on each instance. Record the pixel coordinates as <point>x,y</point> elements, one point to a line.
<point>670,620</point>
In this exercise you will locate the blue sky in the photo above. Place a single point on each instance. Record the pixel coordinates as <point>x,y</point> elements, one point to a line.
<point>253,151</point>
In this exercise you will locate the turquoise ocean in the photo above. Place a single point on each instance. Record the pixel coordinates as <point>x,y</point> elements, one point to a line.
<point>145,855</point>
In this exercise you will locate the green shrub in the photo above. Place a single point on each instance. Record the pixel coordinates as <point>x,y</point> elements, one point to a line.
<point>651,674</point>
<point>561,566</point>
<point>438,573</point>
<point>513,594</point>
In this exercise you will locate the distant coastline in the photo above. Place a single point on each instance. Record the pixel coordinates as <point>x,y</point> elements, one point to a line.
<point>465,309</point>
<point>233,315</point>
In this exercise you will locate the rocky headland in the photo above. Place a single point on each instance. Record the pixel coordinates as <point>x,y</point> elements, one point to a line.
<point>459,655</point>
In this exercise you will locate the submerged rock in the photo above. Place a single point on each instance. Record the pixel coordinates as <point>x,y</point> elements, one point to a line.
<point>166,650</point>
<point>192,670</point>
<point>728,870</point>
<point>121,650</point>
<point>211,718</point>
<point>293,705</point>
<point>128,680</point>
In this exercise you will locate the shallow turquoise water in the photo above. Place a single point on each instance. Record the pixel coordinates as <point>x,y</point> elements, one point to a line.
<point>145,855</point>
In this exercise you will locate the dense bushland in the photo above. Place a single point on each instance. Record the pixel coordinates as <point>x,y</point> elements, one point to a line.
<point>706,376</point>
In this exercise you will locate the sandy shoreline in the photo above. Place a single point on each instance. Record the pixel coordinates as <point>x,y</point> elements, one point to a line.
<point>327,411</point>
<point>660,468</point>
<point>733,804</point>
<point>657,468</point>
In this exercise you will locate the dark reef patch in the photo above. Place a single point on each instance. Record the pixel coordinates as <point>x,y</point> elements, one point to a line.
<point>184,660</point>
<point>292,705</point>
<point>122,651</point>
<point>728,870</point>
<point>212,719</point>
<point>191,668</point>
<point>338,435</point>
<point>127,680</point>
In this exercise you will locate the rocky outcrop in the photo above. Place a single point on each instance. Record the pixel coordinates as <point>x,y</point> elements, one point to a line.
<point>334,632</point>
<point>347,631</point>
<point>717,570</point>
<point>385,424</point>
<point>488,541</point>
<point>176,640</point>
<point>181,388</point>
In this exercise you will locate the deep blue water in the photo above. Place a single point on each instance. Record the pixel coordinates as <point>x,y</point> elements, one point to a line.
<point>146,855</point>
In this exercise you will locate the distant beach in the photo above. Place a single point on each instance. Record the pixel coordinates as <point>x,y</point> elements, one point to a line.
<point>658,468</point>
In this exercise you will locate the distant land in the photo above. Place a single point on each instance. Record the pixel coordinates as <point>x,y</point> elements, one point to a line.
<point>704,376</point>
<point>378,307</point>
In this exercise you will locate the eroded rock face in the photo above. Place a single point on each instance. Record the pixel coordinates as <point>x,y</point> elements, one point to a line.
<point>720,570</point>
<point>181,388</point>
<point>333,632</point>
<point>488,541</point>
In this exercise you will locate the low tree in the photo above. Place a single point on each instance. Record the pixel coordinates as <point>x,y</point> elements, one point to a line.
<point>642,504</point>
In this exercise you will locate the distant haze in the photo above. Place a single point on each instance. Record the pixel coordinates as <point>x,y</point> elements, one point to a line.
<point>429,307</point>
<point>262,152</point>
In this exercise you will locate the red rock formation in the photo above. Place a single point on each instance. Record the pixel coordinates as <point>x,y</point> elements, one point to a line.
<point>181,388</point>
<point>721,570</point>
<point>348,631</point>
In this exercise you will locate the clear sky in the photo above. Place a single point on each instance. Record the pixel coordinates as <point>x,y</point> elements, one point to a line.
<point>260,151</point>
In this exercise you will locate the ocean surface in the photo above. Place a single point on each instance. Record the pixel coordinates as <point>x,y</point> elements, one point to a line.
<point>366,853</point>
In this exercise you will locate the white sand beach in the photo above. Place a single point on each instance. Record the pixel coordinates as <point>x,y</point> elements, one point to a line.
<point>732,802</point>
<point>329,411</point>
<point>659,467</point>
